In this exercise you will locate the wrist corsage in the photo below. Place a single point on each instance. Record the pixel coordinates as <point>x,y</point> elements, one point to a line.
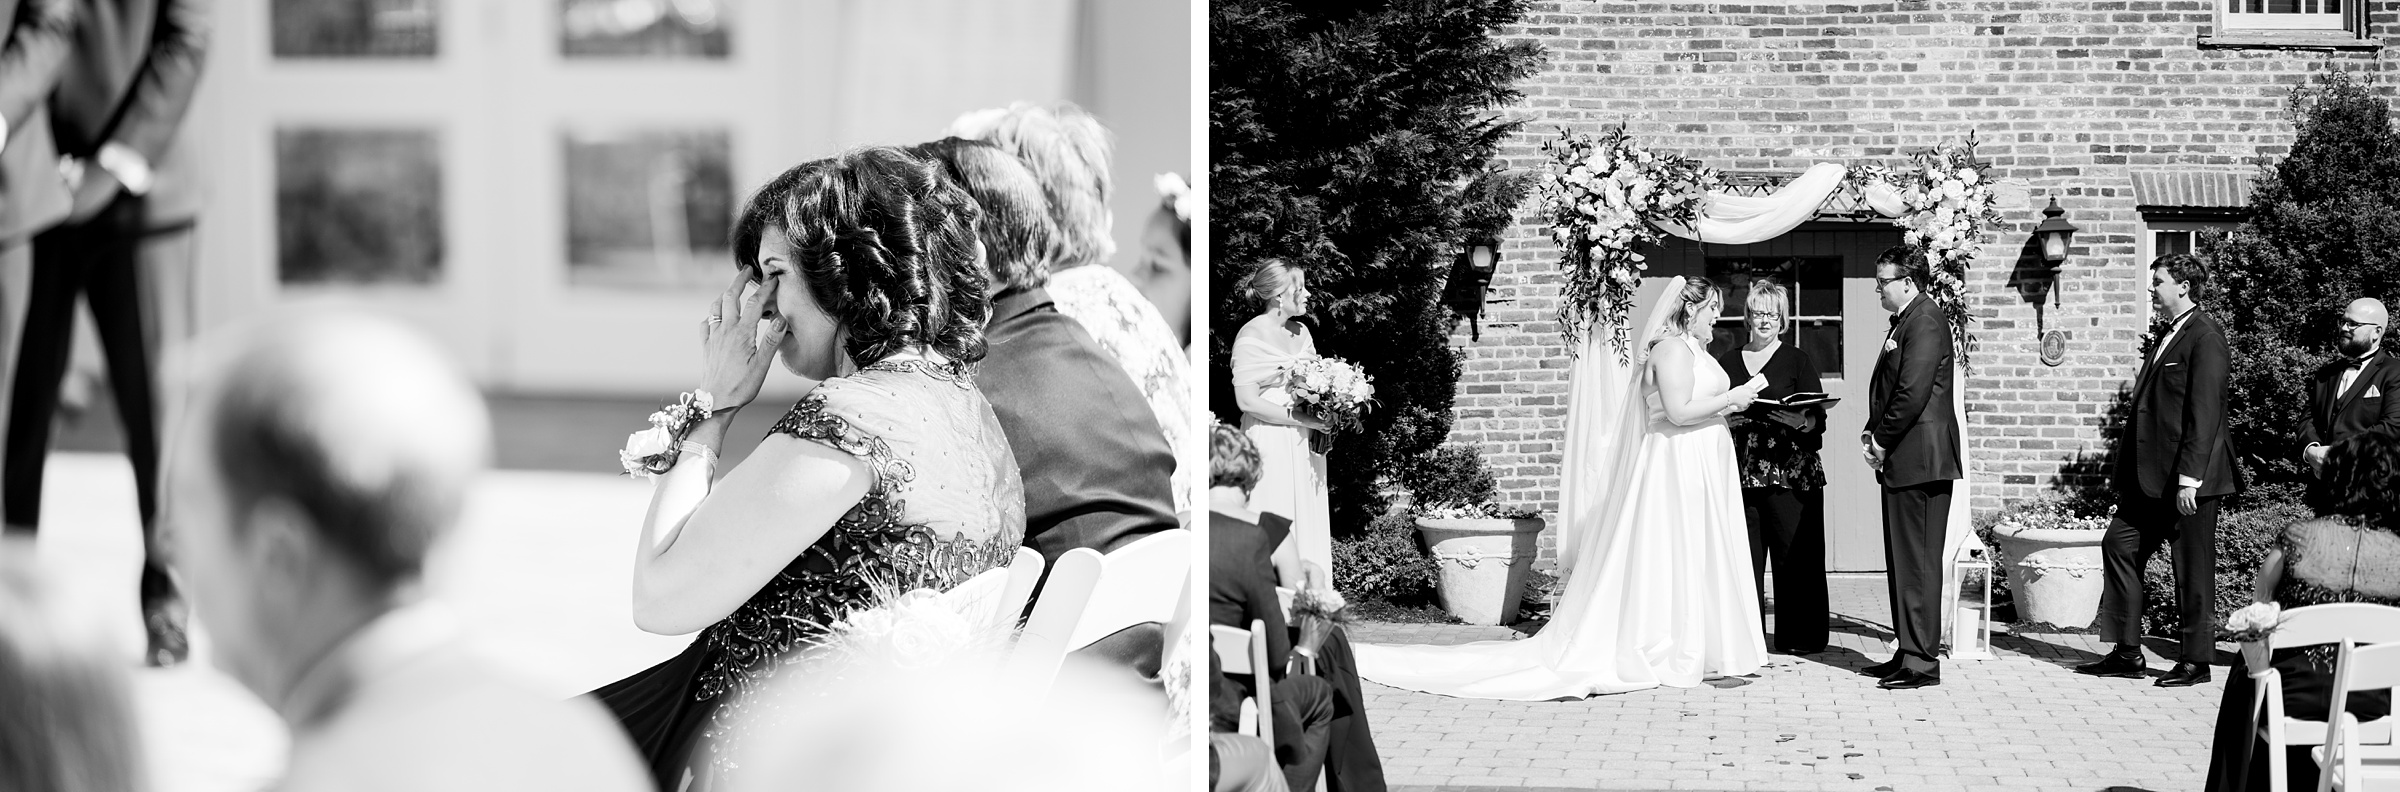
<point>652,452</point>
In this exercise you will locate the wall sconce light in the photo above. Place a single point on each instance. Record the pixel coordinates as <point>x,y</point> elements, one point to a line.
<point>1470,275</point>
<point>2056,233</point>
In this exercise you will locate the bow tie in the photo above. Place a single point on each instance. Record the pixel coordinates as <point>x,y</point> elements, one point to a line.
<point>2362,360</point>
<point>1895,319</point>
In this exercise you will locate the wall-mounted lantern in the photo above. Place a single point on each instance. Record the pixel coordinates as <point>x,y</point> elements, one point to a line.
<point>2055,232</point>
<point>1470,274</point>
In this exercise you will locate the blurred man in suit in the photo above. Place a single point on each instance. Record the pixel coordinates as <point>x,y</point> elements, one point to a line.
<point>2347,398</point>
<point>326,456</point>
<point>2174,467</point>
<point>1911,441</point>
<point>33,195</point>
<point>119,102</point>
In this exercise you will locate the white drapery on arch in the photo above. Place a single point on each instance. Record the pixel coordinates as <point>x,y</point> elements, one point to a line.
<point>1598,379</point>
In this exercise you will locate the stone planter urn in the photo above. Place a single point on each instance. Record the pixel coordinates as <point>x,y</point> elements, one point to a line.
<point>1484,563</point>
<point>2055,572</point>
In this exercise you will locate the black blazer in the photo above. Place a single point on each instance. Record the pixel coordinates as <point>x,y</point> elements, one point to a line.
<point>2337,418</point>
<point>1910,407</point>
<point>1096,466</point>
<point>134,68</point>
<point>2177,427</point>
<point>1788,371</point>
<point>33,51</point>
<point>1241,584</point>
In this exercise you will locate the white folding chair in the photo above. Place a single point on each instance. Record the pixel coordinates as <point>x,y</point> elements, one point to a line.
<point>1245,652</point>
<point>1091,595</point>
<point>1023,574</point>
<point>2342,762</point>
<point>2309,626</point>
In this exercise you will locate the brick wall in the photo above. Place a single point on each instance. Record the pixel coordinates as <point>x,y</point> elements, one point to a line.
<point>2067,99</point>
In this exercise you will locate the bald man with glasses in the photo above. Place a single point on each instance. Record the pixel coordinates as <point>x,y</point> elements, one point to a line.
<point>2347,397</point>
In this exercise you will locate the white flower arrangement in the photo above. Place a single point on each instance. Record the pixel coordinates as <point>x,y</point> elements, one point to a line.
<point>1603,197</point>
<point>2254,621</point>
<point>1175,193</point>
<point>1949,202</point>
<point>1334,390</point>
<point>1448,510</point>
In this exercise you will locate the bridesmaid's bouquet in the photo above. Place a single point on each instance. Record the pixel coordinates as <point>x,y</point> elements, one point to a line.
<point>1332,390</point>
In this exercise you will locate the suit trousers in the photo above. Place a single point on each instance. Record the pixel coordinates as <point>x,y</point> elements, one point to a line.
<point>99,260</point>
<point>1787,526</point>
<point>1915,521</point>
<point>1304,710</point>
<point>2141,525</point>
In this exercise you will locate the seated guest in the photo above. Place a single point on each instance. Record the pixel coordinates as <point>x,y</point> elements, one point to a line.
<point>1094,462</point>
<point>1236,762</point>
<point>2315,562</point>
<point>67,724</point>
<point>1240,591</point>
<point>327,455</point>
<point>1069,151</point>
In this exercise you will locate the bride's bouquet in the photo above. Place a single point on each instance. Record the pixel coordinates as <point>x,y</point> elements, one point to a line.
<point>1331,390</point>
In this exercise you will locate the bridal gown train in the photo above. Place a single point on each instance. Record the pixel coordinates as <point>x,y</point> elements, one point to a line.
<point>1663,597</point>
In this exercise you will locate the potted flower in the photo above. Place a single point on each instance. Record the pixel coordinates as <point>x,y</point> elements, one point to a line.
<point>2051,548</point>
<point>1485,552</point>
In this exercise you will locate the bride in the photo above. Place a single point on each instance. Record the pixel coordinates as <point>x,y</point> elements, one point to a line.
<point>1660,591</point>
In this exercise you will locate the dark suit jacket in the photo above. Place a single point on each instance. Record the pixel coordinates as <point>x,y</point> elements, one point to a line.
<point>1241,584</point>
<point>1910,410</point>
<point>130,78</point>
<point>32,195</point>
<point>1095,465</point>
<point>2334,419</point>
<point>2178,423</point>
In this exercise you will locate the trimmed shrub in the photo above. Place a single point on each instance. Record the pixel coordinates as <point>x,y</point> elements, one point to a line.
<point>1387,562</point>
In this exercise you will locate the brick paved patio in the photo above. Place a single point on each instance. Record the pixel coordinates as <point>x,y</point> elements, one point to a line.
<point>2021,721</point>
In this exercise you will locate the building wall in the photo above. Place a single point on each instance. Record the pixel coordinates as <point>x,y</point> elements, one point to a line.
<point>2066,99</point>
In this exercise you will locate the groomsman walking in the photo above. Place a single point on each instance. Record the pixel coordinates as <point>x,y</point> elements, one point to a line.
<point>2174,467</point>
<point>2346,397</point>
<point>1911,441</point>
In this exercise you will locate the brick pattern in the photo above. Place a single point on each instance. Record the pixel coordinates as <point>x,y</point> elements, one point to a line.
<point>2023,720</point>
<point>2066,98</point>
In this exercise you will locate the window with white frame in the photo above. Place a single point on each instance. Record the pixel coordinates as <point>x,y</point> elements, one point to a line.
<point>2173,234</point>
<point>2331,15</point>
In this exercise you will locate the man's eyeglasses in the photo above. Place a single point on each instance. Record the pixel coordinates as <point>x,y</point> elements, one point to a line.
<point>2349,325</point>
<point>1880,282</point>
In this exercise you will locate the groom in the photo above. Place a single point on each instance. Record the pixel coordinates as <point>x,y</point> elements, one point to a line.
<point>1911,441</point>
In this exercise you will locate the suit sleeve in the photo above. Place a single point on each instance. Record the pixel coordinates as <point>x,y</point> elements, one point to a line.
<point>170,73</point>
<point>39,35</point>
<point>1265,606</point>
<point>1924,353</point>
<point>2316,407</point>
<point>2204,410</point>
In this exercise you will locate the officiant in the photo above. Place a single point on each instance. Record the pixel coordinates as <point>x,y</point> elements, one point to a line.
<point>1783,480</point>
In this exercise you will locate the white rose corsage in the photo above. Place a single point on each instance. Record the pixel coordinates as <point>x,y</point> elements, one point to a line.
<point>652,452</point>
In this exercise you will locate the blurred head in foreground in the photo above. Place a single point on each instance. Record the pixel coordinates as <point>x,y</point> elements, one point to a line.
<point>66,722</point>
<point>1069,151</point>
<point>922,704</point>
<point>323,455</point>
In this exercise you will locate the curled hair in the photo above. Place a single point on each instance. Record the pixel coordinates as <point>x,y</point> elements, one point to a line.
<point>2362,479</point>
<point>1768,292</point>
<point>886,244</point>
<point>1909,263</point>
<point>1019,238</point>
<point>1696,293</point>
<point>1232,458</point>
<point>2186,269</point>
<point>1269,282</point>
<point>1069,151</point>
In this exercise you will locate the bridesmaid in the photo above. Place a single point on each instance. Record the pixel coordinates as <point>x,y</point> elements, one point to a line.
<point>1783,481</point>
<point>1291,479</point>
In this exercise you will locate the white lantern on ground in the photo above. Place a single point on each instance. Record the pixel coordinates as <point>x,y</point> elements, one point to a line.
<point>1971,621</point>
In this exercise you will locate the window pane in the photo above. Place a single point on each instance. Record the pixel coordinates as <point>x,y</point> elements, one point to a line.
<point>2169,242</point>
<point>353,28</point>
<point>1822,340</point>
<point>643,28</point>
<point>358,206</point>
<point>649,208</point>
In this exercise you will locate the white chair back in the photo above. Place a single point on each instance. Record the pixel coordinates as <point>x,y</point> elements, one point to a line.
<point>2345,762</point>
<point>2309,626</point>
<point>1241,651</point>
<point>1090,595</point>
<point>1023,574</point>
<point>2329,623</point>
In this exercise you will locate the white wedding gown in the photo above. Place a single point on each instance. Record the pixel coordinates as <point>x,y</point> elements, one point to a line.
<point>1660,595</point>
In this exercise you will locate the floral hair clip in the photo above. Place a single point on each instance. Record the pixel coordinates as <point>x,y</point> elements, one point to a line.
<point>1176,194</point>
<point>651,452</point>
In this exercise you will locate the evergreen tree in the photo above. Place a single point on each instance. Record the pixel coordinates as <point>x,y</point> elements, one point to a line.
<point>2324,229</point>
<point>1357,137</point>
